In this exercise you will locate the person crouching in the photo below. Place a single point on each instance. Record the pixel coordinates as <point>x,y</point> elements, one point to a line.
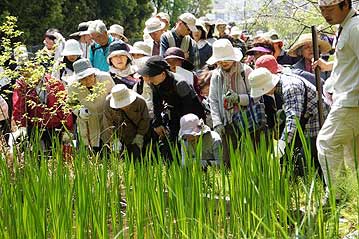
<point>126,120</point>
<point>194,133</point>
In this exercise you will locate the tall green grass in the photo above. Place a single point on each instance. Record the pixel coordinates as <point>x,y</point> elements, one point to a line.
<point>44,196</point>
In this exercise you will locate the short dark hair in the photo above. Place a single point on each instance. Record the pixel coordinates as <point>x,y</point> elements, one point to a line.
<point>342,4</point>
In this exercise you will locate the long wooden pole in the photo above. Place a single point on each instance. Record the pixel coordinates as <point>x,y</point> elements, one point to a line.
<point>317,76</point>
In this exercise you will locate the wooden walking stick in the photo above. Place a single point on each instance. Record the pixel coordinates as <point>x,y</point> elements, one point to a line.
<point>88,134</point>
<point>317,76</point>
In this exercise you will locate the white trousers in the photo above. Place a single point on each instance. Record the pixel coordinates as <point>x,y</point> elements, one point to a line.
<point>337,140</point>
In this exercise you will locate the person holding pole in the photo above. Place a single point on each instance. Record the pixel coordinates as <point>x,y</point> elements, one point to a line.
<point>339,137</point>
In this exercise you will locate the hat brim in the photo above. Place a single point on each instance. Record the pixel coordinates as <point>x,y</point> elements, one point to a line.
<point>71,53</point>
<point>138,51</point>
<point>186,64</point>
<point>201,130</point>
<point>236,57</point>
<point>148,71</point>
<point>119,53</point>
<point>146,31</point>
<point>192,28</point>
<point>85,73</point>
<point>258,49</point>
<point>324,47</point>
<point>80,33</point>
<point>258,92</point>
<point>124,102</point>
<point>120,34</point>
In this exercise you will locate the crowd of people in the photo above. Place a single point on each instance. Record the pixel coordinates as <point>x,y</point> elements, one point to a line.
<point>188,84</point>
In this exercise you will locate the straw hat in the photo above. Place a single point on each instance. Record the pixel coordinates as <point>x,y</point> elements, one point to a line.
<point>83,68</point>
<point>192,125</point>
<point>324,46</point>
<point>119,30</point>
<point>72,48</point>
<point>223,50</point>
<point>262,81</point>
<point>141,47</point>
<point>153,25</point>
<point>121,96</point>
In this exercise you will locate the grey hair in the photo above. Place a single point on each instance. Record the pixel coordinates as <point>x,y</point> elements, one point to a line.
<point>97,26</point>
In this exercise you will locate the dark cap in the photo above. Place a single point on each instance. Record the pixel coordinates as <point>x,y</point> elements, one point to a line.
<point>155,65</point>
<point>177,53</point>
<point>118,45</point>
<point>174,52</point>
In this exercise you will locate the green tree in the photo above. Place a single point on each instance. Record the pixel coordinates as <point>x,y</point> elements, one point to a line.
<point>176,7</point>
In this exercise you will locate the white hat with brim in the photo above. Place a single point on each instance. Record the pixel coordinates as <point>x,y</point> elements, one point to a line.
<point>190,20</point>
<point>327,3</point>
<point>83,68</point>
<point>119,30</point>
<point>324,47</point>
<point>262,81</point>
<point>192,125</point>
<point>121,96</point>
<point>140,47</point>
<point>153,25</point>
<point>72,48</point>
<point>119,53</point>
<point>223,50</point>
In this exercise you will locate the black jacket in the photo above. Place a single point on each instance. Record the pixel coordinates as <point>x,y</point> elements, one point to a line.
<point>180,99</point>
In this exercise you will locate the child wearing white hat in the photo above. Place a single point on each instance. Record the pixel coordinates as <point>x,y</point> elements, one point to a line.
<point>194,133</point>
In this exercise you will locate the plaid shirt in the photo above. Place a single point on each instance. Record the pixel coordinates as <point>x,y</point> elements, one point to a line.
<point>291,88</point>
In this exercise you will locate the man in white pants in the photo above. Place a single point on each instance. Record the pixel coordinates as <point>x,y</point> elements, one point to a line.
<point>339,136</point>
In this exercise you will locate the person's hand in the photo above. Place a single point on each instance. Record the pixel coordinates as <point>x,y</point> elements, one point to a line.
<point>232,97</point>
<point>84,114</point>
<point>117,146</point>
<point>281,148</point>
<point>328,97</point>
<point>138,140</point>
<point>67,137</point>
<point>20,133</point>
<point>323,65</point>
<point>220,129</point>
<point>161,131</point>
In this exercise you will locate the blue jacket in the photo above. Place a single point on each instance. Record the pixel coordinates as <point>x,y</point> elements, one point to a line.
<point>98,55</point>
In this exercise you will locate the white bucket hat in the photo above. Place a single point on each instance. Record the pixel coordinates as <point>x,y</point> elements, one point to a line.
<point>153,25</point>
<point>326,3</point>
<point>190,20</point>
<point>83,68</point>
<point>141,47</point>
<point>119,30</point>
<point>223,50</point>
<point>72,48</point>
<point>121,96</point>
<point>192,125</point>
<point>235,31</point>
<point>262,81</point>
